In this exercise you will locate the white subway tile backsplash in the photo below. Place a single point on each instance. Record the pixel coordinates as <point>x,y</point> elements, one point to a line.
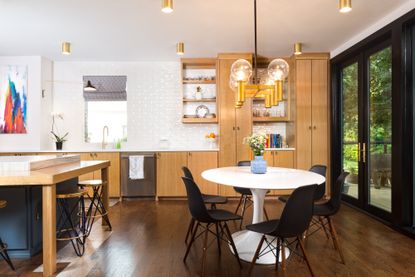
<point>154,102</point>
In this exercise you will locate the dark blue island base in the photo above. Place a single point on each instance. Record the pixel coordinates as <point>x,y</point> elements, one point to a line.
<point>21,220</point>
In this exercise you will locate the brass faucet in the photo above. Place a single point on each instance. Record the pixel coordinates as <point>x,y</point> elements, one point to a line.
<point>104,143</point>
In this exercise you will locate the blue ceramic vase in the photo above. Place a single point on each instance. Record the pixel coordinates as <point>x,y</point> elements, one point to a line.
<point>259,165</point>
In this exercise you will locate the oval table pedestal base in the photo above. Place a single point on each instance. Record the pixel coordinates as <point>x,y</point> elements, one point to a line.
<point>246,243</point>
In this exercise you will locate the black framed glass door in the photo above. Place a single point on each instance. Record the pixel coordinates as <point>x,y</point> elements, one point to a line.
<point>366,129</point>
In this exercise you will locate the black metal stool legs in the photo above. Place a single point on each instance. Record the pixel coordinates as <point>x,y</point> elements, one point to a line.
<point>96,209</point>
<point>3,253</point>
<point>71,224</point>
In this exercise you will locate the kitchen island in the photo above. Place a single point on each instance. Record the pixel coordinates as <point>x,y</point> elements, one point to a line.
<point>49,178</point>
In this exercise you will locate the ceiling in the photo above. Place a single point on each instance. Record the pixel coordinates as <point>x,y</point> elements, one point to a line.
<point>136,30</point>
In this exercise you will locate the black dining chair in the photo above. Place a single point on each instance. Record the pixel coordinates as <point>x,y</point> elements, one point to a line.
<point>294,220</point>
<point>326,210</point>
<point>246,197</point>
<point>208,199</point>
<point>205,219</point>
<point>321,189</point>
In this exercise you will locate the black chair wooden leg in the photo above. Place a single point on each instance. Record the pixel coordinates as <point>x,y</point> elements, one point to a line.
<point>305,256</point>
<point>283,265</point>
<point>205,249</point>
<point>191,242</point>
<point>335,239</point>
<point>218,236</point>
<point>5,255</point>
<point>256,255</point>
<point>278,253</point>
<point>235,251</point>
<point>243,211</point>
<point>324,227</point>
<point>239,204</point>
<point>265,213</point>
<point>189,229</point>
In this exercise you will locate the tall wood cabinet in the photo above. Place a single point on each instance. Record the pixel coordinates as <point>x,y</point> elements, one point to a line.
<point>312,111</point>
<point>234,124</point>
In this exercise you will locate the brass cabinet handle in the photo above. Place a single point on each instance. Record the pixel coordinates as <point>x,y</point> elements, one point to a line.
<point>233,128</point>
<point>314,127</point>
<point>309,127</point>
<point>358,152</point>
<point>237,128</point>
<point>364,152</point>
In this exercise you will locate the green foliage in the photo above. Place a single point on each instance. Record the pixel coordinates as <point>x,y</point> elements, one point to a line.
<point>380,104</point>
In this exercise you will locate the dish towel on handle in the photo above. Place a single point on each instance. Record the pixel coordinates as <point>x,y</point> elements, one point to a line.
<point>136,167</point>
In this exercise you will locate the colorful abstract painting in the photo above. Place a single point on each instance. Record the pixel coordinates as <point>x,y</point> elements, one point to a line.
<point>13,99</point>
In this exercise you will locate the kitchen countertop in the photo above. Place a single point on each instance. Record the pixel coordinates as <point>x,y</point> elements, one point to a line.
<point>133,150</point>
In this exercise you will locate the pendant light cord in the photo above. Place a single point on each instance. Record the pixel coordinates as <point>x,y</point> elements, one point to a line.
<point>256,46</point>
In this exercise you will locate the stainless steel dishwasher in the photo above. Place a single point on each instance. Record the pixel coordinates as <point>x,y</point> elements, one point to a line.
<point>141,187</point>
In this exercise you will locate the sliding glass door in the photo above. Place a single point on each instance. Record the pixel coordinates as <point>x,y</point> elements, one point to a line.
<point>366,129</point>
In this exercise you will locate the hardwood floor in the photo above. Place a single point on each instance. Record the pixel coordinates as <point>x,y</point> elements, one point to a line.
<point>148,240</point>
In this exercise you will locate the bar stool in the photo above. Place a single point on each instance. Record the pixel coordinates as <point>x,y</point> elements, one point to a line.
<point>3,246</point>
<point>72,219</point>
<point>96,208</point>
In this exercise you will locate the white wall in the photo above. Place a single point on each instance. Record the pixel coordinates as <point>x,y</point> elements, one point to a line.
<point>35,122</point>
<point>154,94</point>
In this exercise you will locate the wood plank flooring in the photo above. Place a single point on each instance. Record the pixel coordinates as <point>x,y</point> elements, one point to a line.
<point>148,240</point>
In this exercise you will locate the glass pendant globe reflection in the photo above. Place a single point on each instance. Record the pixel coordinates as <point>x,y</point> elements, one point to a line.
<point>233,83</point>
<point>241,70</point>
<point>278,69</point>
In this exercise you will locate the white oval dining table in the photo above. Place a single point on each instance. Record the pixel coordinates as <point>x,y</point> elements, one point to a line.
<point>276,178</point>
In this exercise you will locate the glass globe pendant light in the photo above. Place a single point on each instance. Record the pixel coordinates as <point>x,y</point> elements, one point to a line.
<point>271,89</point>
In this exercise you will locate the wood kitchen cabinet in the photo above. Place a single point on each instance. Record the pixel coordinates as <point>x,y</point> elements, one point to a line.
<point>198,162</point>
<point>280,158</point>
<point>169,172</point>
<point>114,170</point>
<point>312,112</point>
<point>234,124</point>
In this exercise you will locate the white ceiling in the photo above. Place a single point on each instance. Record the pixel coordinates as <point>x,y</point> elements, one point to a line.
<point>136,30</point>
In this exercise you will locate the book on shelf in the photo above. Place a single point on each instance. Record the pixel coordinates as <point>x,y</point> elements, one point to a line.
<point>274,141</point>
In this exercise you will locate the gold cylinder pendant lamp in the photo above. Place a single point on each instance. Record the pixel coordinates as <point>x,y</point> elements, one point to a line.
<point>298,48</point>
<point>180,48</point>
<point>167,6</point>
<point>66,48</point>
<point>345,6</point>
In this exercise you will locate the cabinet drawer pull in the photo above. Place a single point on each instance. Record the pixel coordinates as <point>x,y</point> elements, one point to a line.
<point>314,127</point>
<point>309,127</point>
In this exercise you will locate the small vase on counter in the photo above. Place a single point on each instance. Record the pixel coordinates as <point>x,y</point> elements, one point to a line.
<point>259,165</point>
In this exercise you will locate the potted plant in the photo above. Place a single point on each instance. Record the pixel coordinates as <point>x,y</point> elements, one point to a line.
<point>257,143</point>
<point>59,140</point>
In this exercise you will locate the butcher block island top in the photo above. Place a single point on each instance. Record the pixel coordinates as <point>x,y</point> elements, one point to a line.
<point>44,170</point>
<point>49,172</point>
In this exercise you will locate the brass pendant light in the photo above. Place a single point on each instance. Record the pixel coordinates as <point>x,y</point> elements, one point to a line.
<point>271,89</point>
<point>66,48</point>
<point>345,6</point>
<point>298,48</point>
<point>180,48</point>
<point>167,6</point>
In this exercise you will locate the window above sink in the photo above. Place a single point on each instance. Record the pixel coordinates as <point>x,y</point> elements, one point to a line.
<point>105,106</point>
